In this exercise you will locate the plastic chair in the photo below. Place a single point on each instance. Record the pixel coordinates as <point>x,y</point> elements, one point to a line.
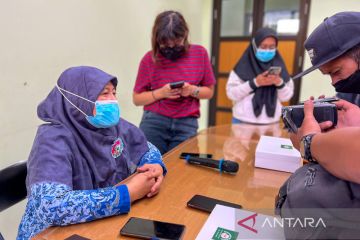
<point>12,185</point>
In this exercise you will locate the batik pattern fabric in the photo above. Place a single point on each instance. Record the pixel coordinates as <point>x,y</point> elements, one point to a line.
<point>55,204</point>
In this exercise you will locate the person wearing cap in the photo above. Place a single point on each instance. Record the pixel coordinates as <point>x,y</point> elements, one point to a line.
<point>334,49</point>
<point>81,152</point>
<point>256,92</point>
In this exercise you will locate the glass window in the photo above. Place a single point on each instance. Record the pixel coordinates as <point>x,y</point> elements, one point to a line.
<point>236,18</point>
<point>282,16</point>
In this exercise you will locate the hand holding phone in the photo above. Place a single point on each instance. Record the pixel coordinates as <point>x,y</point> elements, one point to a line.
<point>150,229</point>
<point>207,204</point>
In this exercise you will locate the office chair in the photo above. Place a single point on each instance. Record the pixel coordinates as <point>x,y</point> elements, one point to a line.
<point>12,185</point>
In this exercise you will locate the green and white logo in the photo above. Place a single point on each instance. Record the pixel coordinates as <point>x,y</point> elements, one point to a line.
<point>286,146</point>
<point>224,234</point>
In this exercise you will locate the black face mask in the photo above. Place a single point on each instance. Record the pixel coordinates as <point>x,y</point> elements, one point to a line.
<point>350,84</point>
<point>172,53</point>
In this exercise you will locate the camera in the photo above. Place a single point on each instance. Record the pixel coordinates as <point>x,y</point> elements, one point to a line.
<point>293,116</point>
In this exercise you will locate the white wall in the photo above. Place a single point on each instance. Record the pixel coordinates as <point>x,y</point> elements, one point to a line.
<point>41,38</point>
<point>316,84</point>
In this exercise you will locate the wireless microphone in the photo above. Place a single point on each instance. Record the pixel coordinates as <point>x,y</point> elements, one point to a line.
<point>222,165</point>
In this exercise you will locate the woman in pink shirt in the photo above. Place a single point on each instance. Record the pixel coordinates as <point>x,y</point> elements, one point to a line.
<point>170,114</point>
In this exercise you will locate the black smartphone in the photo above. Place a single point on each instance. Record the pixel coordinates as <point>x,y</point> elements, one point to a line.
<point>76,237</point>
<point>150,229</point>
<point>198,155</point>
<point>207,204</point>
<point>174,85</point>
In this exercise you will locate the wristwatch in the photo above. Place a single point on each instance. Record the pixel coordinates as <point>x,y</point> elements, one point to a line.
<point>196,92</point>
<point>305,149</point>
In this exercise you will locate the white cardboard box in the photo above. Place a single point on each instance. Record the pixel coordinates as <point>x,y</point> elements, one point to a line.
<point>277,154</point>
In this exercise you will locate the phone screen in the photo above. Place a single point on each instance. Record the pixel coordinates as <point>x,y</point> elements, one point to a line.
<point>148,229</point>
<point>198,155</point>
<point>207,204</point>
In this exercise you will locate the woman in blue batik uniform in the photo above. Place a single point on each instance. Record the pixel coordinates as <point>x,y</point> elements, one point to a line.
<point>81,152</point>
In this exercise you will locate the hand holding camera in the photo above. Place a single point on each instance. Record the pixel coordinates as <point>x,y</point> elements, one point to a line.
<point>348,114</point>
<point>320,111</point>
<point>314,119</point>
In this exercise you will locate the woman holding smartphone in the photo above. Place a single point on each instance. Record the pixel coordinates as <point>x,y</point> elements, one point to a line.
<point>171,108</point>
<point>259,82</point>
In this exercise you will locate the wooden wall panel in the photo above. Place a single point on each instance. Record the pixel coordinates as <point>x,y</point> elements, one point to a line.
<point>287,51</point>
<point>221,97</point>
<point>223,117</point>
<point>230,53</point>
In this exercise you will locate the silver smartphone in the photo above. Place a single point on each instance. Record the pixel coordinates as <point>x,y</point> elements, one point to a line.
<point>274,70</point>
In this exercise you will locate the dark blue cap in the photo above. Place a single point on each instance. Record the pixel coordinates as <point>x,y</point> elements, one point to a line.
<point>332,38</point>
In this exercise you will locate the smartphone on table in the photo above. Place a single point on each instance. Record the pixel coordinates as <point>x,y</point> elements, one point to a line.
<point>274,70</point>
<point>198,155</point>
<point>207,204</point>
<point>179,84</point>
<point>151,229</point>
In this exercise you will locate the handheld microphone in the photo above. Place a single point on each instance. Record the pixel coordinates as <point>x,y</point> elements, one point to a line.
<point>222,165</point>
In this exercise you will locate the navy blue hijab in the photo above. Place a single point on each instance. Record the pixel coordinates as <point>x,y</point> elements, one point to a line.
<point>249,67</point>
<point>68,150</point>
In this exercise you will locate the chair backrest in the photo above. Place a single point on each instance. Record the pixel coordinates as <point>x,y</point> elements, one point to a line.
<point>12,185</point>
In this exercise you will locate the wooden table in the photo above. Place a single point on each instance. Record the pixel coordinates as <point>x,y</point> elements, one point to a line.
<point>251,187</point>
